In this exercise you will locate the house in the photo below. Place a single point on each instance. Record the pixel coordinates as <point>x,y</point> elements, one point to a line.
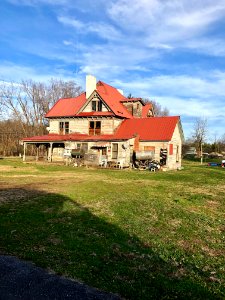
<point>106,126</point>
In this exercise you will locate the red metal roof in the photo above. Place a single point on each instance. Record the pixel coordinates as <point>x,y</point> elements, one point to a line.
<point>70,107</point>
<point>113,99</point>
<point>52,137</point>
<point>67,107</point>
<point>148,129</point>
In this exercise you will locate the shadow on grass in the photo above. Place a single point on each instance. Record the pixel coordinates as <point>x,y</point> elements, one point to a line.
<point>57,233</point>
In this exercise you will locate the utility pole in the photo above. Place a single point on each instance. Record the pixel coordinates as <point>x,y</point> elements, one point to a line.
<point>201,154</point>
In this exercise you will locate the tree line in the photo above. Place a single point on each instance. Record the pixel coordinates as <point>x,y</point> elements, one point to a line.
<point>199,140</point>
<point>23,107</point>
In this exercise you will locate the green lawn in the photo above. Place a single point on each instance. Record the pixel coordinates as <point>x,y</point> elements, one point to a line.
<point>139,234</point>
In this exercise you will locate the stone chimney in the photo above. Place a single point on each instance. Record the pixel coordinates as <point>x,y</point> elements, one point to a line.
<point>120,91</point>
<point>90,85</point>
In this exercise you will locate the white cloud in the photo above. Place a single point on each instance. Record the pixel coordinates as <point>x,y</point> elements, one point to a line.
<point>72,22</point>
<point>11,72</point>
<point>38,2</point>
<point>103,30</point>
<point>67,43</point>
<point>187,96</point>
<point>167,23</point>
<point>110,62</point>
<point>147,14</point>
<point>211,46</point>
<point>197,16</point>
<point>207,86</point>
<point>154,24</point>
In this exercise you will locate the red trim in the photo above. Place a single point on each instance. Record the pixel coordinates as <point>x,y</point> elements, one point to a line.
<point>95,113</point>
<point>171,149</point>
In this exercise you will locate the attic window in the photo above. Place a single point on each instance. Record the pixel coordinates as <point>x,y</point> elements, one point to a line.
<point>96,105</point>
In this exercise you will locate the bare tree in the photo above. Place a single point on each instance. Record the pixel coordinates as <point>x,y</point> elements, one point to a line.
<point>159,111</point>
<point>199,134</point>
<point>25,104</point>
<point>10,134</point>
<point>222,139</point>
<point>221,143</point>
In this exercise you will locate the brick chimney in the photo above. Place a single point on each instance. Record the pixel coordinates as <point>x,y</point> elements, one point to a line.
<point>90,85</point>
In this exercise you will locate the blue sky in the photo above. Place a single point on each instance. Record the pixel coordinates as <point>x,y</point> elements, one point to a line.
<point>171,51</point>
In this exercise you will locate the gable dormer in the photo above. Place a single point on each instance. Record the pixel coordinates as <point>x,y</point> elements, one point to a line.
<point>95,104</point>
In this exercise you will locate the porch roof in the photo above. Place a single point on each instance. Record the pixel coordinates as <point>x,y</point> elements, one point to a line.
<point>71,137</point>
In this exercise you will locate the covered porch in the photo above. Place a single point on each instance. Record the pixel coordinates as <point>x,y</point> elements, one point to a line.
<point>43,149</point>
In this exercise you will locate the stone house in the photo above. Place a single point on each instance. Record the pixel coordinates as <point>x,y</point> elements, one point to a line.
<point>110,128</point>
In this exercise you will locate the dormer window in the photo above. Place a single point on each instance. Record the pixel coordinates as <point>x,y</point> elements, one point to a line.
<point>96,105</point>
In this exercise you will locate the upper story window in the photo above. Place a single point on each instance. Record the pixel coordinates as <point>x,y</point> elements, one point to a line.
<point>95,127</point>
<point>96,105</point>
<point>64,128</point>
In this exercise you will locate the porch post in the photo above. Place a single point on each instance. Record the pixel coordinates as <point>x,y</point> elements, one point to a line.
<point>24,150</point>
<point>50,152</point>
<point>46,152</point>
<point>37,153</point>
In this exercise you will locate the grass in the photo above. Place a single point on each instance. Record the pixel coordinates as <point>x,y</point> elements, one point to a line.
<point>139,234</point>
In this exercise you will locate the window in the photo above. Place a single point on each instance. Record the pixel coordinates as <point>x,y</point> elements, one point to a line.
<point>64,127</point>
<point>67,130</point>
<point>104,152</point>
<point>96,105</point>
<point>114,151</point>
<point>95,127</point>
